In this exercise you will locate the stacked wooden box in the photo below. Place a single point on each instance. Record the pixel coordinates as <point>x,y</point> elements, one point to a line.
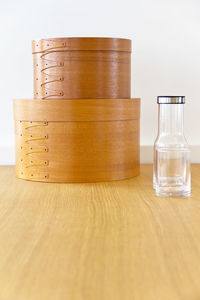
<point>82,125</point>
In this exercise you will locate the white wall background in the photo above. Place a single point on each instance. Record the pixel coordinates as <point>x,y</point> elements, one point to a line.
<point>166,54</point>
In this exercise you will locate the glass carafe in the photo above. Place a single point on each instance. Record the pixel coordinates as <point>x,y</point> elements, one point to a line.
<point>171,175</point>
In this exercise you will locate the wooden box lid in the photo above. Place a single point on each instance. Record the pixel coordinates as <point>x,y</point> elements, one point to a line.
<point>93,110</point>
<point>82,43</point>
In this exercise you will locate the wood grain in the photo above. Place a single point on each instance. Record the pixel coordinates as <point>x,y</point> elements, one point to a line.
<point>73,68</point>
<point>115,241</point>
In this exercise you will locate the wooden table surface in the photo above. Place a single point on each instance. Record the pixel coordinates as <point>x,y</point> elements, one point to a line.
<point>98,241</point>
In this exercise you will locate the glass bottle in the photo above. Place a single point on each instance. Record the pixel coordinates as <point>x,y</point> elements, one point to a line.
<point>171,174</point>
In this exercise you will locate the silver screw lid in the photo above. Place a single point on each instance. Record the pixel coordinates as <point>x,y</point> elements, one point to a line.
<point>171,99</point>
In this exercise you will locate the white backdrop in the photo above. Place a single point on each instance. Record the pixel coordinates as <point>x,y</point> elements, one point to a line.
<point>165,59</point>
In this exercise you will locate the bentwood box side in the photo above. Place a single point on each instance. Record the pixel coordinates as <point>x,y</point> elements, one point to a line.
<point>85,145</point>
<point>81,68</point>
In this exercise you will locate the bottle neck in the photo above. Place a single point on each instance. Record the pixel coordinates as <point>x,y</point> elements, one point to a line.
<point>170,120</point>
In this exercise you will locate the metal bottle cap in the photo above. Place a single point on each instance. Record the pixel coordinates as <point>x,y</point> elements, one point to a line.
<point>171,99</point>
